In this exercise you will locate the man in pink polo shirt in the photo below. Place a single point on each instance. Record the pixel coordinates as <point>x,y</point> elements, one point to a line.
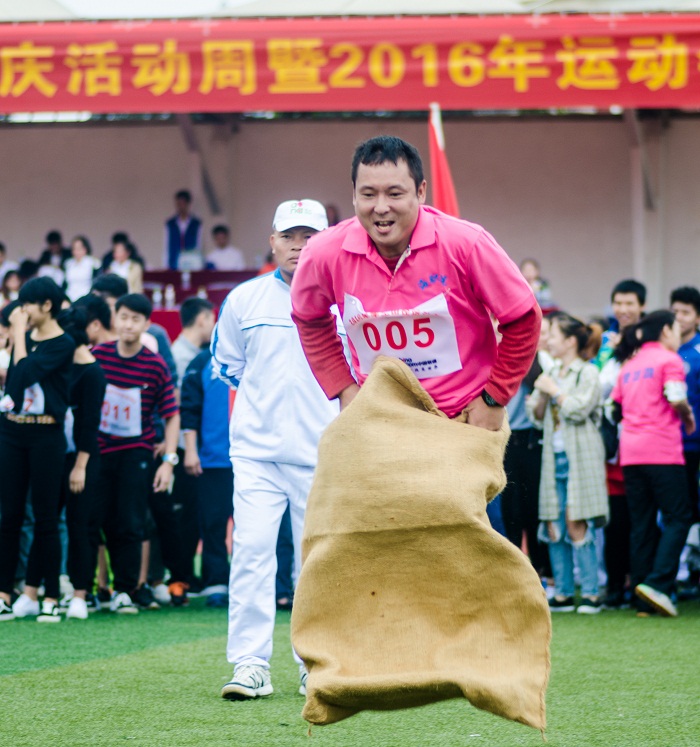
<point>415,284</point>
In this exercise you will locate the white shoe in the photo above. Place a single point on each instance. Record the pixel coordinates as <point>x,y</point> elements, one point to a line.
<point>122,604</point>
<point>49,613</point>
<point>65,586</point>
<point>25,607</point>
<point>657,599</point>
<point>248,681</point>
<point>161,593</point>
<point>77,609</point>
<point>303,676</point>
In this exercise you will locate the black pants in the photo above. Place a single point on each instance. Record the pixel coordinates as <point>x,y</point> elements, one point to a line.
<point>176,536</point>
<point>692,465</point>
<point>617,544</point>
<point>520,498</point>
<point>83,523</point>
<point>31,456</point>
<point>124,487</point>
<point>654,555</point>
<point>215,497</point>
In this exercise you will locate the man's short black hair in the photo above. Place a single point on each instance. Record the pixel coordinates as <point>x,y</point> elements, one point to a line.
<point>40,290</point>
<point>220,228</point>
<point>687,294</point>
<point>110,286</point>
<point>136,302</point>
<point>183,194</point>
<point>54,237</point>
<point>120,237</point>
<point>96,308</point>
<point>631,286</point>
<point>385,148</point>
<point>191,308</point>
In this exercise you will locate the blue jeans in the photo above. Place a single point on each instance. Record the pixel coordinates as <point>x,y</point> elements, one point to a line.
<point>564,549</point>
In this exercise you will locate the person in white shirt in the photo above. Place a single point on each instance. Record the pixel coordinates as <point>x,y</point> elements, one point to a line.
<point>80,269</point>
<point>279,414</point>
<point>224,256</point>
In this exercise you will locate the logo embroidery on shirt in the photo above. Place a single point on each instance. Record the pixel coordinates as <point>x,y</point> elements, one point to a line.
<point>434,278</point>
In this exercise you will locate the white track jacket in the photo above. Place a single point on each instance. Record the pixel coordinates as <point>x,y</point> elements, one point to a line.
<point>280,410</point>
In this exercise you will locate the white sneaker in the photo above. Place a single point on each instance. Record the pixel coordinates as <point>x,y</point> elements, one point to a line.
<point>6,612</point>
<point>248,681</point>
<point>49,613</point>
<point>162,595</point>
<point>77,609</point>
<point>303,676</point>
<point>657,599</point>
<point>65,586</point>
<point>122,604</point>
<point>25,607</point>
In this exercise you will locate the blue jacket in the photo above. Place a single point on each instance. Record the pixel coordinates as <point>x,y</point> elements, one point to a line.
<point>177,243</point>
<point>690,352</point>
<point>204,408</point>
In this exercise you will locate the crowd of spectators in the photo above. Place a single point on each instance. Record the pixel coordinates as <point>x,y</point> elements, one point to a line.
<point>114,450</point>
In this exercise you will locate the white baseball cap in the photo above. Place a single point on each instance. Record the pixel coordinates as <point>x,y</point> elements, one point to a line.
<point>293,213</point>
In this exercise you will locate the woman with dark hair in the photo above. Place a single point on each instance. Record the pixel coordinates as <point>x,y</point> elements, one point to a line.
<point>126,265</point>
<point>9,291</point>
<point>573,493</point>
<point>80,269</point>
<point>652,396</point>
<point>33,447</point>
<point>82,468</point>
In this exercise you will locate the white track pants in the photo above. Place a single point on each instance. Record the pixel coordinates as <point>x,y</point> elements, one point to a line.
<point>261,493</point>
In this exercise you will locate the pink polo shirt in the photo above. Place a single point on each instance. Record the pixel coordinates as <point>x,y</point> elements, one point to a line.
<point>651,428</point>
<point>432,312</point>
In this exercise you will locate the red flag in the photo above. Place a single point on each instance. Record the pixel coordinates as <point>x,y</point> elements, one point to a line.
<point>444,196</point>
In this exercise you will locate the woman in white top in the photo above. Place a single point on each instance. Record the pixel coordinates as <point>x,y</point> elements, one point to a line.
<point>127,267</point>
<point>80,269</point>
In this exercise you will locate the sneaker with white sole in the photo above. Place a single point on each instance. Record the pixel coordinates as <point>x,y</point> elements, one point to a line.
<point>161,594</point>
<point>249,681</point>
<point>657,599</point>
<point>122,604</point>
<point>303,676</point>
<point>25,607</point>
<point>50,613</point>
<point>77,609</point>
<point>6,612</point>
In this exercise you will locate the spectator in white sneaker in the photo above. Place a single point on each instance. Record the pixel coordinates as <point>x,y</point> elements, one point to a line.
<point>279,414</point>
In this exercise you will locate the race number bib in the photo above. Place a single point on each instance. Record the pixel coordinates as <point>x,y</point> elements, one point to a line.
<point>121,412</point>
<point>424,338</point>
<point>34,401</point>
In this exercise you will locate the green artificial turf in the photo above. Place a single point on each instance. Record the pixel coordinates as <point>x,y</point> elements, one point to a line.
<point>154,680</point>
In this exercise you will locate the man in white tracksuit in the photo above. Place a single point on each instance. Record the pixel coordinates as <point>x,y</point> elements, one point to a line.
<point>278,417</point>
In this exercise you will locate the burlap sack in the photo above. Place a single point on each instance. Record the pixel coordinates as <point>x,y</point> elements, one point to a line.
<point>407,595</point>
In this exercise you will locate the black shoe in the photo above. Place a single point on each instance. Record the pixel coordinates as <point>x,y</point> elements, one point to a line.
<point>562,605</point>
<point>616,600</point>
<point>589,606</point>
<point>143,598</point>
<point>104,595</point>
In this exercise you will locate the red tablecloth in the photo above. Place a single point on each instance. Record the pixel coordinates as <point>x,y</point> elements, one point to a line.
<point>170,319</point>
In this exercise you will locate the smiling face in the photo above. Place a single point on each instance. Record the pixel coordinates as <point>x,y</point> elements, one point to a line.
<point>387,203</point>
<point>558,344</point>
<point>286,248</point>
<point>627,309</point>
<point>687,318</point>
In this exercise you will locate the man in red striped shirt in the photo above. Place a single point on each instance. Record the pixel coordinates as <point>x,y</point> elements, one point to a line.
<point>138,384</point>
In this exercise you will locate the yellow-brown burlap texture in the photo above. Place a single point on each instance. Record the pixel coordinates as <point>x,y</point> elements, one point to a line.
<point>407,595</point>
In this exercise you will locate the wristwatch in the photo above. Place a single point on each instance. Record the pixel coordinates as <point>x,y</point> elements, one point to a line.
<point>490,401</point>
<point>172,459</point>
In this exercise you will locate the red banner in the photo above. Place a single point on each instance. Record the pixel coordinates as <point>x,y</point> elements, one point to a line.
<point>392,64</point>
